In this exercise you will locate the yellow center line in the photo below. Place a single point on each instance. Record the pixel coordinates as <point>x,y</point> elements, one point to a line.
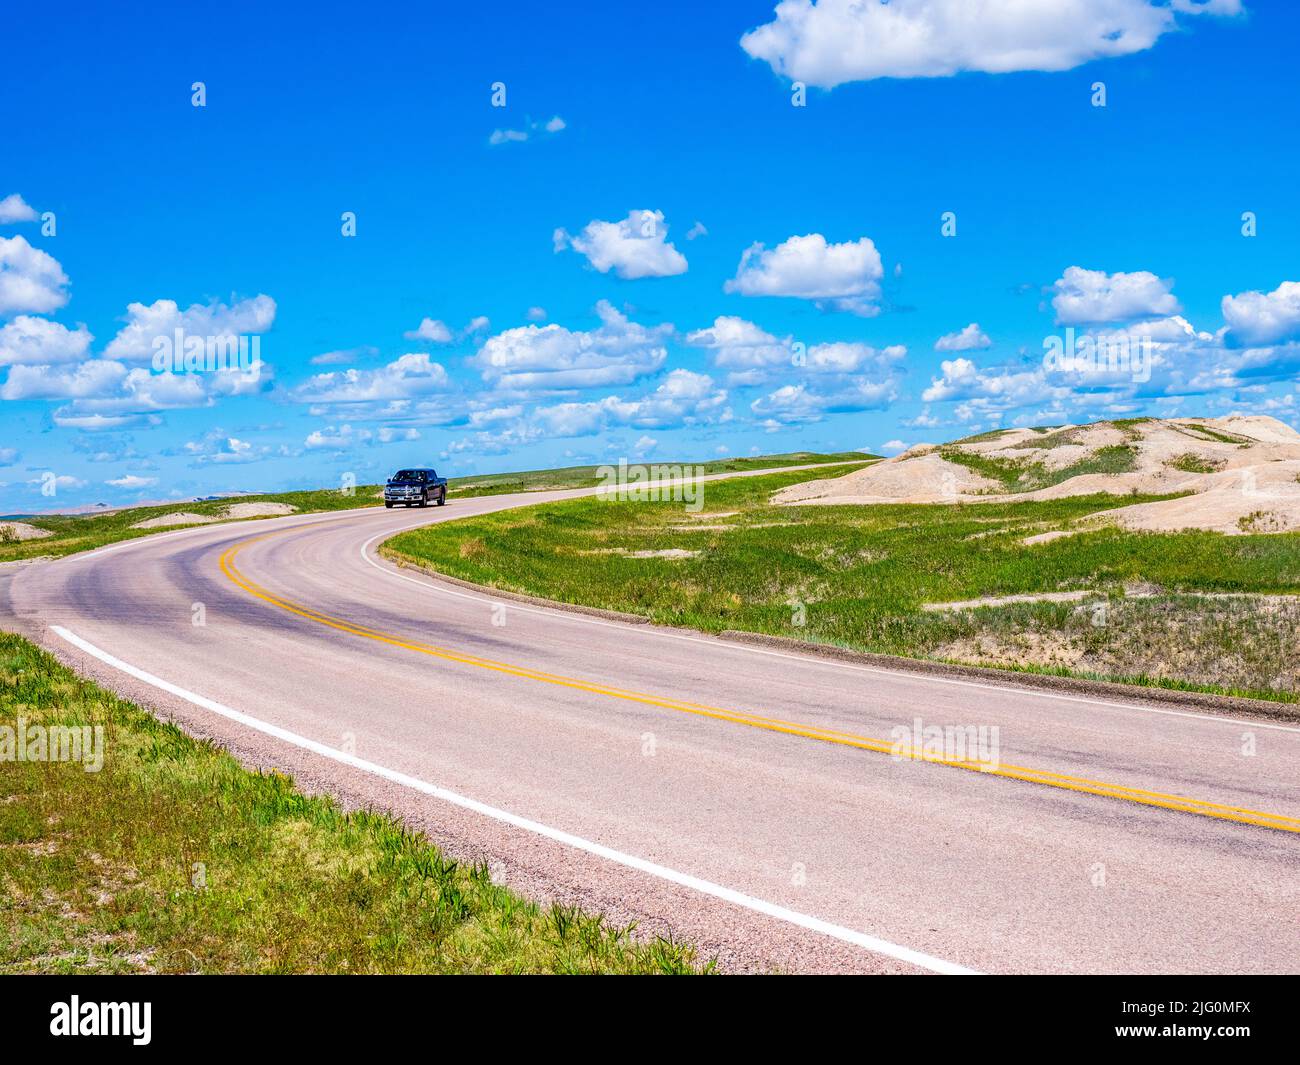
<point>1240,814</point>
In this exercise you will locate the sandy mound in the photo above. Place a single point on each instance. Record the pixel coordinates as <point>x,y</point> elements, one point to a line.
<point>235,510</point>
<point>257,510</point>
<point>179,517</point>
<point>1238,473</point>
<point>18,530</point>
<point>920,475</point>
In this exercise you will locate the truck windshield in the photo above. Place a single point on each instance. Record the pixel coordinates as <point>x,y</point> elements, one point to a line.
<point>409,475</point>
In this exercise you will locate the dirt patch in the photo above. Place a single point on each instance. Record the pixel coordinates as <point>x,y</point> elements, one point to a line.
<point>667,552</point>
<point>230,513</point>
<point>257,510</point>
<point>19,530</point>
<point>179,517</point>
<point>1005,600</point>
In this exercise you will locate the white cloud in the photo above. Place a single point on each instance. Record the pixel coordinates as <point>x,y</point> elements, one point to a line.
<point>683,399</point>
<point>633,248</point>
<point>8,456</point>
<point>536,357</point>
<point>341,439</point>
<point>13,208</point>
<point>338,358</point>
<point>39,341</point>
<point>697,230</point>
<point>389,434</point>
<point>961,379</point>
<point>97,377</point>
<point>30,279</point>
<point>536,314</point>
<point>893,447</point>
<point>1262,317</point>
<point>413,374</point>
<point>518,136</point>
<point>754,355</point>
<point>845,275</point>
<point>130,480</point>
<point>145,323</point>
<point>62,481</point>
<point>810,401</point>
<point>964,340</point>
<point>741,345</point>
<point>1093,296</point>
<point>216,447</point>
<point>430,329</point>
<point>837,41</point>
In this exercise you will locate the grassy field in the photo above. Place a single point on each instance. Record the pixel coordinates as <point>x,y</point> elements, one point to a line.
<point>859,576</point>
<point>172,858</point>
<point>84,532</point>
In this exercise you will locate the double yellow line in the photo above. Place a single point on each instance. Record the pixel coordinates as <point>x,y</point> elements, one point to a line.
<point>1141,796</point>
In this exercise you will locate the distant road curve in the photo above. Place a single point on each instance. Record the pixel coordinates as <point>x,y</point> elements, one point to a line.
<point>737,796</point>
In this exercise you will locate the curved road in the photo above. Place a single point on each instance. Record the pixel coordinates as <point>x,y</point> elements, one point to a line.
<point>737,796</point>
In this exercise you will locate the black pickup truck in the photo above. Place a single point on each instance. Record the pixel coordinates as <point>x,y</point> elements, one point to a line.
<point>419,487</point>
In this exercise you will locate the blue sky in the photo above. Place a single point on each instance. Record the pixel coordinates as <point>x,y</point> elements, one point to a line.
<point>660,257</point>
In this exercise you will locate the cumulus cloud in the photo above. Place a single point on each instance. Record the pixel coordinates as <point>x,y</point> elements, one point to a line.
<point>753,355</point>
<point>1086,297</point>
<point>837,41</point>
<point>812,400</point>
<point>533,357</point>
<point>130,480</point>
<point>431,330</point>
<point>633,248</point>
<point>97,377</point>
<point>389,434</point>
<point>967,339</point>
<point>217,447</point>
<point>30,279</point>
<point>342,438</point>
<point>846,276</point>
<point>145,323</point>
<point>1256,317</point>
<point>683,399</point>
<point>38,341</point>
<point>13,208</point>
<point>413,374</point>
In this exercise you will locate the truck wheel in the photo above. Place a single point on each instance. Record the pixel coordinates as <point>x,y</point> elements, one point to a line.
<point>388,503</point>
<point>424,500</point>
<point>442,498</point>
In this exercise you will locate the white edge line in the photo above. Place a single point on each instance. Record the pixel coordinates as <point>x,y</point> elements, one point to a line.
<point>558,614</point>
<point>704,887</point>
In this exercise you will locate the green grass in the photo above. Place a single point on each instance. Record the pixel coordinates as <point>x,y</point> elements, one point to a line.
<point>84,532</point>
<point>858,576</point>
<point>1022,475</point>
<point>1191,463</point>
<point>175,859</point>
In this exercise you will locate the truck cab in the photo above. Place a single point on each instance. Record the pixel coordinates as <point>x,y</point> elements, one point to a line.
<point>415,487</point>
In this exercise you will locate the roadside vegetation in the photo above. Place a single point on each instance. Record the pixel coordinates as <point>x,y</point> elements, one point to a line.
<point>1193,610</point>
<point>172,858</point>
<point>84,532</point>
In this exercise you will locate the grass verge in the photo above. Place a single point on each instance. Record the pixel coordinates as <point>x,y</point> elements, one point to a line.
<point>859,576</point>
<point>173,858</point>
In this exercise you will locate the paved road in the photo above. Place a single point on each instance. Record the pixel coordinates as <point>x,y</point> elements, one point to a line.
<point>736,796</point>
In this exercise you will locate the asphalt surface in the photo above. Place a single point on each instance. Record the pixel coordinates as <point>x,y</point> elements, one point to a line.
<point>739,797</point>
